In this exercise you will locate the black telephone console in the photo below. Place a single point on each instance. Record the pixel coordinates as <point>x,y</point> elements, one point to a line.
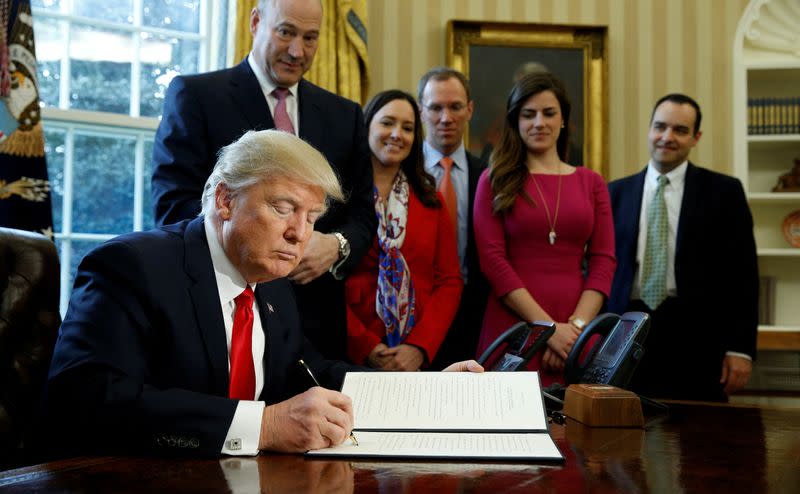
<point>613,357</point>
<point>513,349</point>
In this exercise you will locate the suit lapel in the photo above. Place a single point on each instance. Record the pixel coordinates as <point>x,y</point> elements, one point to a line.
<point>311,128</point>
<point>207,314</point>
<point>634,205</point>
<point>249,98</point>
<point>475,167</point>
<point>689,208</point>
<point>268,325</point>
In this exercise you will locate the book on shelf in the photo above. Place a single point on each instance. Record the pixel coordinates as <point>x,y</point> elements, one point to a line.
<point>766,300</point>
<point>773,116</point>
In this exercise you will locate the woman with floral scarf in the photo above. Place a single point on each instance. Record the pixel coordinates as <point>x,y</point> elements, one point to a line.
<point>403,296</point>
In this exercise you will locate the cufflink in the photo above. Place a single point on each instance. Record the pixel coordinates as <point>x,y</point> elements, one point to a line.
<point>235,444</point>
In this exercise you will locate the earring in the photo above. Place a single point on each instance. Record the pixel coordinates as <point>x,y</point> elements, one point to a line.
<point>562,126</point>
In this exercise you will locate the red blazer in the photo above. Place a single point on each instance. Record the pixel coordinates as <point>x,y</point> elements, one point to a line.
<point>430,252</point>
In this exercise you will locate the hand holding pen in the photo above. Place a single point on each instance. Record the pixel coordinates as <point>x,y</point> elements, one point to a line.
<point>315,419</point>
<point>316,383</point>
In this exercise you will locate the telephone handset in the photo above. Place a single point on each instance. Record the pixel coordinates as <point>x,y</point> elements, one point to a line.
<point>513,349</point>
<point>613,358</point>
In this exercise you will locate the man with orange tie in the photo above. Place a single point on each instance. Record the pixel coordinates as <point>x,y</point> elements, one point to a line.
<point>204,112</point>
<point>446,108</point>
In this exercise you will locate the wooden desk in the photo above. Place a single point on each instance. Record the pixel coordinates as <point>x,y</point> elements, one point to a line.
<point>697,448</point>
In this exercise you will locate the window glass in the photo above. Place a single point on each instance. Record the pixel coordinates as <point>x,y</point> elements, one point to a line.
<point>100,69</point>
<point>162,59</point>
<point>103,56</point>
<point>50,54</point>
<point>108,10</point>
<point>147,201</point>
<point>54,148</point>
<point>181,15</point>
<point>54,5</point>
<point>102,199</point>
<point>79,249</point>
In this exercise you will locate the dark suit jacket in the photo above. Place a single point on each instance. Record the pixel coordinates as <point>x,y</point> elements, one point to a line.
<point>141,359</point>
<point>203,113</point>
<point>716,273</point>
<point>461,341</point>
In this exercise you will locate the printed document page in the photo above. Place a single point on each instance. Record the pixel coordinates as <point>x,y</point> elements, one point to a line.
<point>446,401</point>
<point>446,445</point>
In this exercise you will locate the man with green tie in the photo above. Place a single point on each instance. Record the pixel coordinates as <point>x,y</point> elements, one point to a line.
<point>687,256</point>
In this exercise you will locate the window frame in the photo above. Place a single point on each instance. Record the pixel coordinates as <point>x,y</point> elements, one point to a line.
<point>214,51</point>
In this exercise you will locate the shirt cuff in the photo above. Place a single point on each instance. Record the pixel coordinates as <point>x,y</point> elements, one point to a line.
<point>738,354</point>
<point>245,430</point>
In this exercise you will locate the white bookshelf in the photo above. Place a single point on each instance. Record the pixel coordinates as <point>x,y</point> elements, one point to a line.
<point>765,64</point>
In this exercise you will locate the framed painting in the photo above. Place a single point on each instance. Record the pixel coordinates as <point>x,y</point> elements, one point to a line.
<point>494,55</point>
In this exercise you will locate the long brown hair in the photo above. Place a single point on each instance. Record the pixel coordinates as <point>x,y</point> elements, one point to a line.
<point>413,166</point>
<point>508,170</point>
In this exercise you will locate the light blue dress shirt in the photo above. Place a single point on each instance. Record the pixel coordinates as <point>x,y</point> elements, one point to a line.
<point>459,174</point>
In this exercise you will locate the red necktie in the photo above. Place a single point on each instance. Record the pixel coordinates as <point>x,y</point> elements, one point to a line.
<point>281,117</point>
<point>243,373</point>
<point>448,190</point>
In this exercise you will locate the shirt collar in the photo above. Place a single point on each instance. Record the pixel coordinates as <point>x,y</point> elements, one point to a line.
<point>264,81</point>
<point>433,156</point>
<point>230,283</point>
<point>676,177</point>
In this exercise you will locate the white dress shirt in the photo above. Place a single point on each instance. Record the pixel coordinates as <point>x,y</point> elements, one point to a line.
<point>267,86</point>
<point>673,196</point>
<point>245,429</point>
<point>459,175</point>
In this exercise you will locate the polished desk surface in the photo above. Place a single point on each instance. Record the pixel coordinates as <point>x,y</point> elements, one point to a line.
<point>696,448</point>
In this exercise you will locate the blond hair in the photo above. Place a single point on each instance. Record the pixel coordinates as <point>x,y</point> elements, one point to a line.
<point>267,154</point>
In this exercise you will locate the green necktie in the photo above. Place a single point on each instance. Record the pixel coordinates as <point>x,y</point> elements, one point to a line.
<point>654,269</point>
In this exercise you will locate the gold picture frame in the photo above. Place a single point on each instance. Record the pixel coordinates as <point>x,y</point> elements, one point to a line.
<point>493,54</point>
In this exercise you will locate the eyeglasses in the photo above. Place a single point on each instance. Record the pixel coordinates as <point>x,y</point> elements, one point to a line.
<point>454,108</point>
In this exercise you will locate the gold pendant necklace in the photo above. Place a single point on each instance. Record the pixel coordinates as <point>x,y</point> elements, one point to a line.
<point>551,237</point>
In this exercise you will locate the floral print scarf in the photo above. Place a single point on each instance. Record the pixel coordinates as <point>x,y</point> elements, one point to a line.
<point>394,301</point>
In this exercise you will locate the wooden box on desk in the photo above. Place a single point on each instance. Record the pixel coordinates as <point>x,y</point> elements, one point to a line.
<point>600,405</point>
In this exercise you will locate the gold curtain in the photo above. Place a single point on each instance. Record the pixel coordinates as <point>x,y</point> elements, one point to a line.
<point>243,39</point>
<point>341,64</point>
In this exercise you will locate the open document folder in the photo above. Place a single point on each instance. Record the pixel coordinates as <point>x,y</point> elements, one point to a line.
<point>447,415</point>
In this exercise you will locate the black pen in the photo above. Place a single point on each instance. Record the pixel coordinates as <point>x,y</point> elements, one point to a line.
<point>314,379</point>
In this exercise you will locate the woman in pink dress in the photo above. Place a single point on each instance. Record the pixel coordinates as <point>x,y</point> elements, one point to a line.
<point>538,220</point>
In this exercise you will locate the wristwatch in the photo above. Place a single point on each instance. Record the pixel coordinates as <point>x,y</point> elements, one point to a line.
<point>577,322</point>
<point>344,251</point>
<point>344,245</point>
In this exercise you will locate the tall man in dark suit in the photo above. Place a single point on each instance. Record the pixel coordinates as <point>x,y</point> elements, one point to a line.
<point>446,108</point>
<point>203,113</point>
<point>163,347</point>
<point>686,254</point>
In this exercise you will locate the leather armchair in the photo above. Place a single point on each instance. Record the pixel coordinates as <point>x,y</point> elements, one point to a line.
<point>29,321</point>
